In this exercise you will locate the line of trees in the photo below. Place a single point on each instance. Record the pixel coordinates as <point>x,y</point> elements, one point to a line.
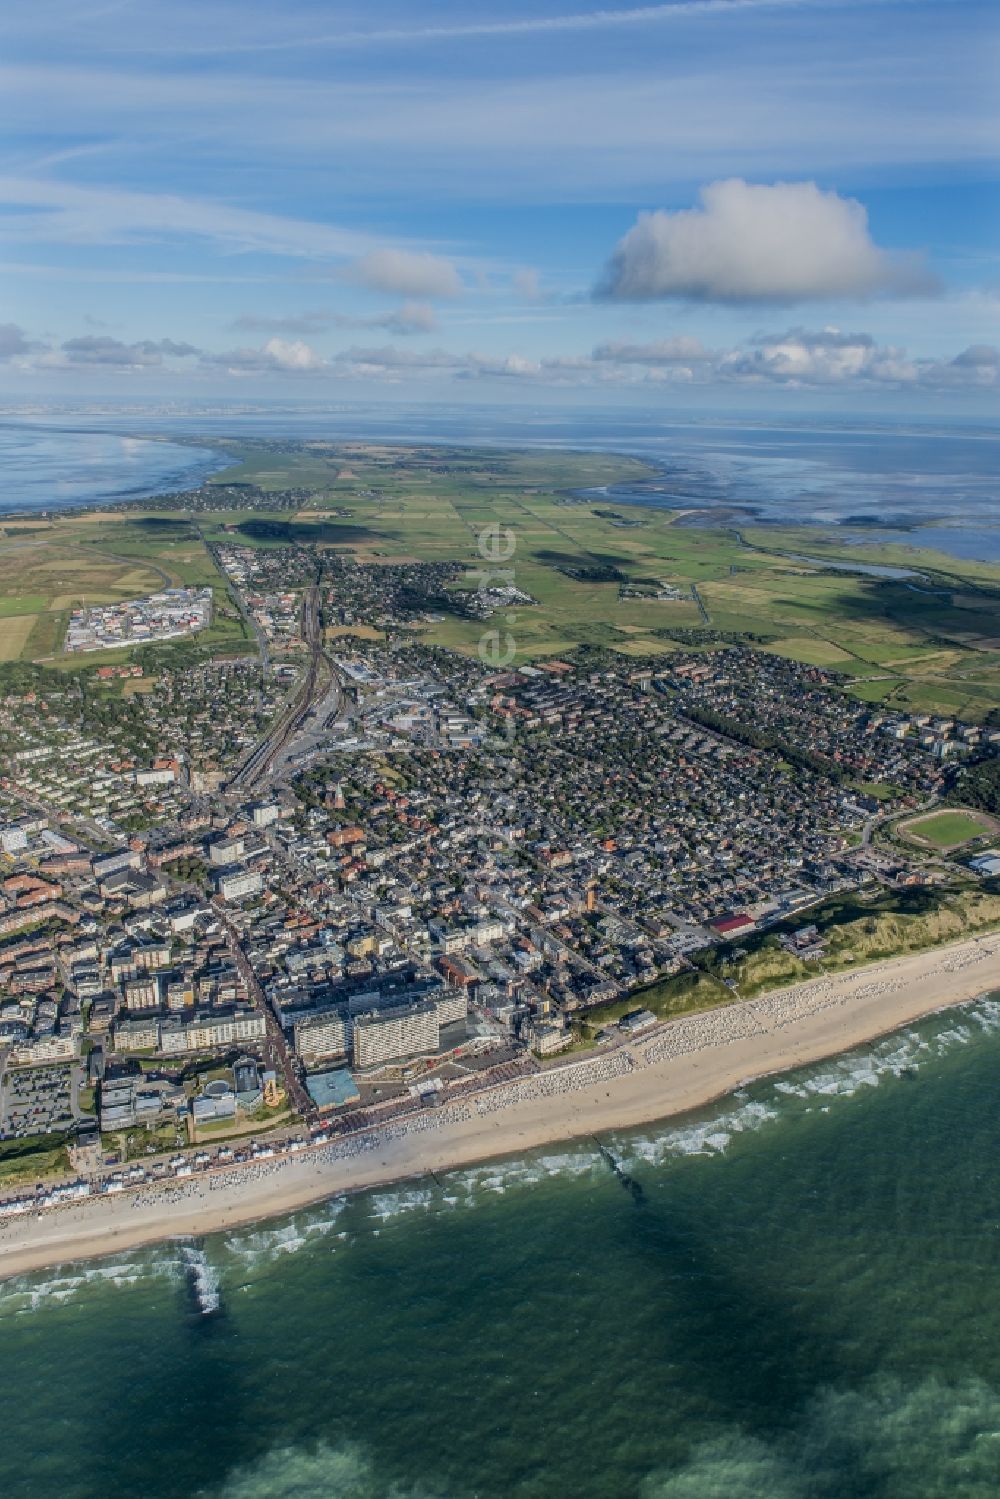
<point>766,739</point>
<point>978,785</point>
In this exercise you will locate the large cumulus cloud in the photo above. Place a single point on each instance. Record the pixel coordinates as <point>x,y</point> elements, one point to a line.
<point>746,242</point>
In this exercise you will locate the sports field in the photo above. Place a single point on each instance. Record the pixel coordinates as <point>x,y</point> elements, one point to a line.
<point>950,829</point>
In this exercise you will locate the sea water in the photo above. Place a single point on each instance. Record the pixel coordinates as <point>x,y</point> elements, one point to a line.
<point>56,469</point>
<point>802,1301</point>
<point>917,483</point>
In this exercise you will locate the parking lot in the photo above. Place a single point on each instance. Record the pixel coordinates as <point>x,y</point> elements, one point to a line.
<point>35,1101</point>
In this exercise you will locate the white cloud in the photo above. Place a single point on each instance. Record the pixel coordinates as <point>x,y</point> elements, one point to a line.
<point>746,242</point>
<point>817,358</point>
<point>277,355</point>
<point>798,357</point>
<point>978,357</point>
<point>12,341</point>
<point>406,273</point>
<point>976,366</point>
<point>681,348</point>
<point>100,349</point>
<point>830,357</point>
<point>387,359</point>
<point>411,317</point>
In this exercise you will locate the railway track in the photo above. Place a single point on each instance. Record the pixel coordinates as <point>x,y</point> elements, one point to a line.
<point>321,675</point>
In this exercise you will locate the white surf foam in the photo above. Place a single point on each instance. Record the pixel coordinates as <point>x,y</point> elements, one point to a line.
<point>706,1137</point>
<point>29,1293</point>
<point>260,1246</point>
<point>386,1205</point>
<point>204,1279</point>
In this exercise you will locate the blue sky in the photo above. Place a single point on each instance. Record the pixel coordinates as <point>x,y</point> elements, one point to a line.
<point>779,202</point>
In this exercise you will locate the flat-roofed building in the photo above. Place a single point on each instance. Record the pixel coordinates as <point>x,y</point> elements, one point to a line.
<point>234,884</point>
<point>332,1090</point>
<point>13,838</point>
<point>393,1035</point>
<point>142,993</point>
<point>451,1005</point>
<point>226,850</point>
<point>141,1034</point>
<point>123,858</point>
<point>326,1034</point>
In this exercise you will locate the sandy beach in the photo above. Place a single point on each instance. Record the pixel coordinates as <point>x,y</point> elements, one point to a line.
<point>670,1070</point>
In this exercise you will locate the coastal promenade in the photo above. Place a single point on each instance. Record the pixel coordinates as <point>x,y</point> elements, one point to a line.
<point>680,1066</point>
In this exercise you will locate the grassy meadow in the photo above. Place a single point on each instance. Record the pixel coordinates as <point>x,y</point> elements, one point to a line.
<point>98,557</point>
<point>931,642</point>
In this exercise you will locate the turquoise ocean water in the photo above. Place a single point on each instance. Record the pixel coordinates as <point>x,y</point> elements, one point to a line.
<point>800,1300</point>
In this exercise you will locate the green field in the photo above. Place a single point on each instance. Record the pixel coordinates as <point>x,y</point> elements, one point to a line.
<point>933,648</point>
<point>948,830</point>
<point>32,1158</point>
<point>93,558</point>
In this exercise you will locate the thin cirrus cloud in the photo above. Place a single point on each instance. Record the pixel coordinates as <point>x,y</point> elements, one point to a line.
<point>53,211</point>
<point>745,242</point>
<point>601,19</point>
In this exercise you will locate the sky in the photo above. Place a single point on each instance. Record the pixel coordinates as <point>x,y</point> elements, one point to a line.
<point>780,204</point>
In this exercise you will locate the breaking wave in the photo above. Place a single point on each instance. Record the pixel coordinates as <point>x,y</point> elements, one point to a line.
<point>203,1279</point>
<point>707,1137</point>
<point>901,1054</point>
<point>266,1242</point>
<point>887,1437</point>
<point>32,1292</point>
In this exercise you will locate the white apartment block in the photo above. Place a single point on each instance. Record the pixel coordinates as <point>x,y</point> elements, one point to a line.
<point>392,1035</point>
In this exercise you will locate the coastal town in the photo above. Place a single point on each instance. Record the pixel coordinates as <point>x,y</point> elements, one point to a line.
<point>500,750</point>
<point>265,904</point>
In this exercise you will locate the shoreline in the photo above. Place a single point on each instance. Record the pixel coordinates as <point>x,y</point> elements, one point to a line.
<point>681,1066</point>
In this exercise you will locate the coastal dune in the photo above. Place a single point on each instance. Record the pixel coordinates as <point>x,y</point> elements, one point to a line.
<point>678,1067</point>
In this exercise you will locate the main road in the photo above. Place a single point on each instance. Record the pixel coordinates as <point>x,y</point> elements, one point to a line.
<point>275,1047</point>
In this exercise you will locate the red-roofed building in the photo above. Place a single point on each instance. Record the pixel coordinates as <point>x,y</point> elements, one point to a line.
<point>734,926</point>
